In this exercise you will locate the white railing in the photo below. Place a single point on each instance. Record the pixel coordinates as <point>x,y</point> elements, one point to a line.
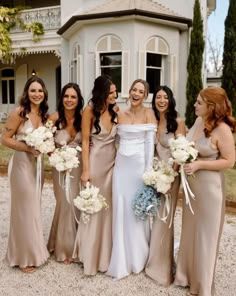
<point>50,17</point>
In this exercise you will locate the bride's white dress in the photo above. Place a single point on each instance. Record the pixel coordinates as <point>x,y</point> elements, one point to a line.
<point>130,236</point>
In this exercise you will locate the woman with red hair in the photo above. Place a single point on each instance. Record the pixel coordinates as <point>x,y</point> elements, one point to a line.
<point>201,231</point>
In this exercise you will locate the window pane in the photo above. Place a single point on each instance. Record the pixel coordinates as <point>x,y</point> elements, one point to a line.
<point>153,78</point>
<point>12,91</point>
<point>153,60</point>
<point>115,74</point>
<point>4,92</point>
<point>110,59</point>
<point>7,73</point>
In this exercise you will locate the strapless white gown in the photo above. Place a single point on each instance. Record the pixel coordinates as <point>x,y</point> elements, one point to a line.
<point>130,236</point>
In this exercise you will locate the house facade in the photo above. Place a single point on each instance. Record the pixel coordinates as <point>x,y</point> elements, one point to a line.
<point>126,39</point>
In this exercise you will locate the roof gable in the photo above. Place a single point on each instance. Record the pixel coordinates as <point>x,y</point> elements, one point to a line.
<point>125,5</point>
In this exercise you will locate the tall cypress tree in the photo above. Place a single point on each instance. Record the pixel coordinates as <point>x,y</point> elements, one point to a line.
<point>194,64</point>
<point>229,55</point>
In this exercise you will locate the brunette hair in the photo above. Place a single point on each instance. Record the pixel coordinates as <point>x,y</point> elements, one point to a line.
<point>171,114</point>
<point>61,121</point>
<point>219,109</point>
<point>100,93</point>
<point>25,102</point>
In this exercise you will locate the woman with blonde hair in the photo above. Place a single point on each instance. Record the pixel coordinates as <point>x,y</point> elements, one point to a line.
<point>201,231</point>
<point>136,128</point>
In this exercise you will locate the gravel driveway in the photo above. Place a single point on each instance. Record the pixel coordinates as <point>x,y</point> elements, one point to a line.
<point>68,280</point>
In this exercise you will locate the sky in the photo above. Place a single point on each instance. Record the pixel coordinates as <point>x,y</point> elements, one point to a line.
<point>216,21</point>
<point>216,30</point>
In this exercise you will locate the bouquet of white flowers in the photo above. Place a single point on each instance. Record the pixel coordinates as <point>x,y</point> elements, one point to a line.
<point>42,140</point>
<point>161,176</point>
<point>183,152</point>
<point>89,201</point>
<point>64,159</point>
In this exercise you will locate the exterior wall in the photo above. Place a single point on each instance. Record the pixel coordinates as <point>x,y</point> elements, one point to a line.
<point>134,36</point>
<point>45,66</point>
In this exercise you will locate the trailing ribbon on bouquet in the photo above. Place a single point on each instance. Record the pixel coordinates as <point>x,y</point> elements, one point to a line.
<point>64,181</point>
<point>187,191</point>
<point>166,208</point>
<point>39,176</point>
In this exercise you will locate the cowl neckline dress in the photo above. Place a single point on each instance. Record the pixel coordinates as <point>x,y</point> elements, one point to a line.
<point>26,245</point>
<point>201,232</point>
<point>64,226</point>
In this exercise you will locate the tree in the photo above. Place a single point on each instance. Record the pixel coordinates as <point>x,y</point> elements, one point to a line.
<point>194,64</point>
<point>214,54</point>
<point>229,55</point>
<point>10,18</point>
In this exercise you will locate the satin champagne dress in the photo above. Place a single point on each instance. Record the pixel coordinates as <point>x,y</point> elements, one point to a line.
<point>201,232</point>
<point>26,245</point>
<point>130,235</point>
<point>161,265</point>
<point>94,239</point>
<point>64,226</point>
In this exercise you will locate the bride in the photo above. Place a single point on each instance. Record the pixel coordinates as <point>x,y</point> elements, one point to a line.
<point>136,130</point>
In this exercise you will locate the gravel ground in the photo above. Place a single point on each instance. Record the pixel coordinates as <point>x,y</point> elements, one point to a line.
<point>68,280</point>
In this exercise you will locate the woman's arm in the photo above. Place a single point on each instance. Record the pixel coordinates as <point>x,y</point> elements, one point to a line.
<point>12,125</point>
<point>224,140</point>
<point>53,117</point>
<point>181,129</point>
<point>87,122</point>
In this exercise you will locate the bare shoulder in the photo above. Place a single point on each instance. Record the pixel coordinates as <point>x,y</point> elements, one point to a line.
<point>15,114</point>
<point>13,122</point>
<point>150,115</point>
<point>222,129</point>
<point>88,110</point>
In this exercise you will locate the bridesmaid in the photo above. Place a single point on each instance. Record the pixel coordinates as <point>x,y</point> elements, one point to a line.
<point>93,244</point>
<point>26,247</point>
<point>160,265</point>
<point>67,119</point>
<point>201,232</point>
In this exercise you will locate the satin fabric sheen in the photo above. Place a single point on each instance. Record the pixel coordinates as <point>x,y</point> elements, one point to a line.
<point>26,245</point>
<point>64,226</point>
<point>93,241</point>
<point>130,235</point>
<point>201,232</point>
<point>161,265</point>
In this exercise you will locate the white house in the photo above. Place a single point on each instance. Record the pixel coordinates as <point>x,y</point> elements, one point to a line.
<point>126,39</point>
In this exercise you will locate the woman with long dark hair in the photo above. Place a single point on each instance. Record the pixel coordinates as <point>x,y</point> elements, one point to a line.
<point>26,247</point>
<point>93,244</point>
<point>201,231</point>
<point>160,265</point>
<point>67,119</point>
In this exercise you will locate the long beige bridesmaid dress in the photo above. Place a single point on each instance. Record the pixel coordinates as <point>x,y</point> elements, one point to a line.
<point>160,265</point>
<point>64,226</point>
<point>201,232</point>
<point>26,245</point>
<point>94,240</point>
